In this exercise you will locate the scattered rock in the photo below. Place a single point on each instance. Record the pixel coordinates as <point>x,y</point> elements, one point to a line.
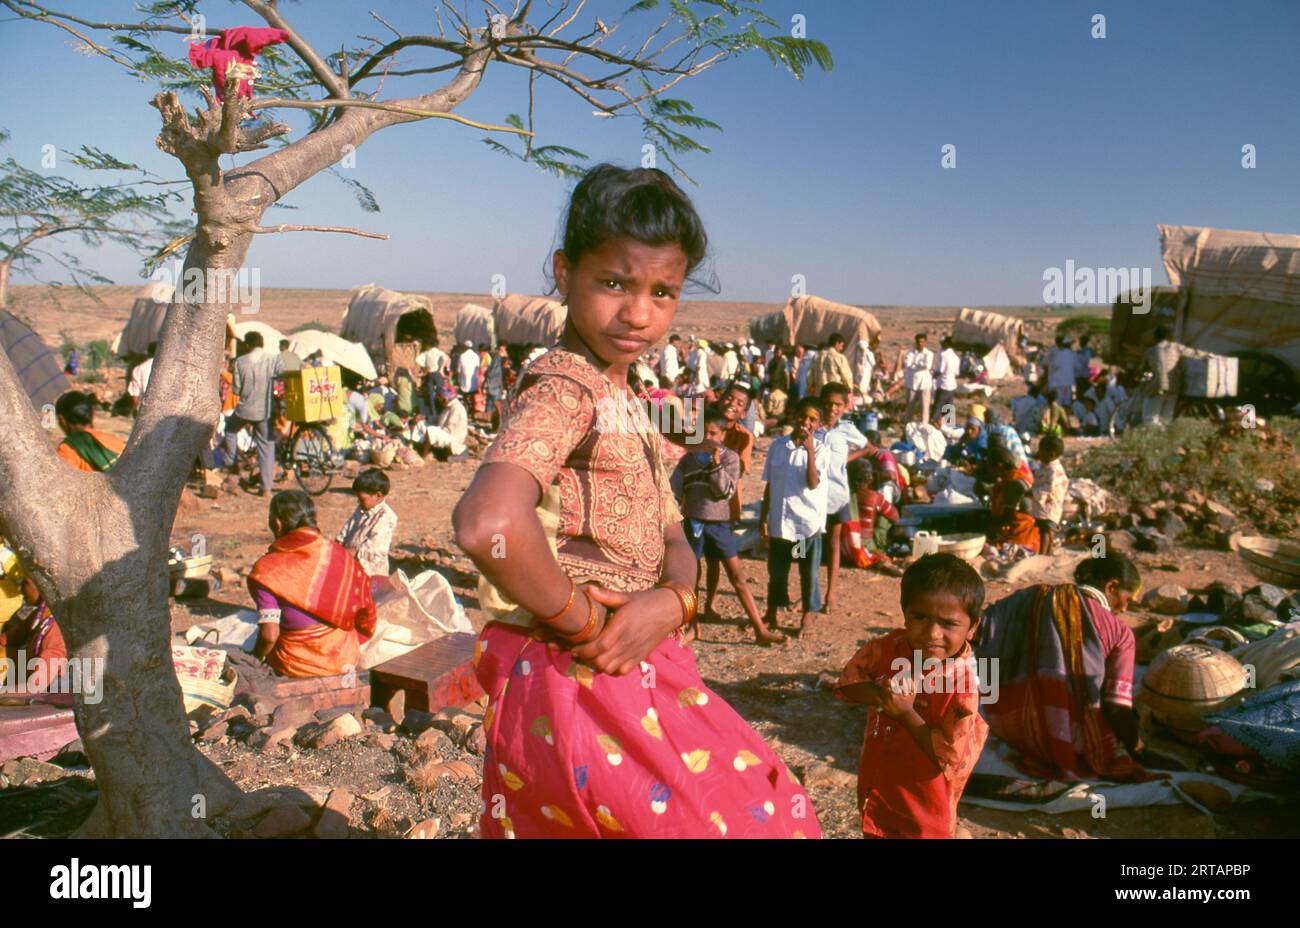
<point>379,718</point>
<point>1269,593</point>
<point>329,715</point>
<point>381,740</point>
<point>1171,526</point>
<point>1151,541</point>
<point>323,734</point>
<point>292,714</point>
<point>1146,513</point>
<point>425,829</point>
<point>1193,498</point>
<point>264,739</point>
<point>214,732</point>
<point>283,820</point>
<point>414,721</point>
<point>476,741</point>
<point>1120,541</point>
<point>1219,516</point>
<point>397,706</point>
<point>227,576</point>
<point>334,818</point>
<point>433,742</point>
<point>1167,599</point>
<point>1264,485</point>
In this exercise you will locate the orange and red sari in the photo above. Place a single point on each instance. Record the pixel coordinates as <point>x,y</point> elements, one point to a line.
<point>323,579</point>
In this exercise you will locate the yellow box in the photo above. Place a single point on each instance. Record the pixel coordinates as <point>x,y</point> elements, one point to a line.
<point>313,394</point>
<point>11,587</point>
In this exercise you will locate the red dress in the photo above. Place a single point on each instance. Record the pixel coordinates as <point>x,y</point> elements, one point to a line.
<point>901,792</point>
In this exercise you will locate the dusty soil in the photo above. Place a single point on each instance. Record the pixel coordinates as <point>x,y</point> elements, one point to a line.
<point>782,691</point>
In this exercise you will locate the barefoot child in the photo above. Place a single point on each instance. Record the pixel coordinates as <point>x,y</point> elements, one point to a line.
<point>1051,485</point>
<point>368,533</point>
<point>599,724</point>
<point>705,481</point>
<point>794,512</point>
<point>846,444</point>
<point>924,731</point>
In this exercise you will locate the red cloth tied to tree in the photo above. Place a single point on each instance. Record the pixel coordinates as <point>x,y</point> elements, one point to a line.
<point>320,577</point>
<point>234,49</point>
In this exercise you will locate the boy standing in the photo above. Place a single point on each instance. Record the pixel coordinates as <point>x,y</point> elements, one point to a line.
<point>368,533</point>
<point>1047,502</point>
<point>846,444</point>
<point>794,511</point>
<point>704,482</point>
<point>924,730</point>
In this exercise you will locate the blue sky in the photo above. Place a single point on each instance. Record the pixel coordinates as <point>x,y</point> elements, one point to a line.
<point>1068,147</point>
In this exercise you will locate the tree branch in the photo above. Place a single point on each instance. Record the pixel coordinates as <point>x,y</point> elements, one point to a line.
<point>282,103</point>
<point>336,85</point>
<point>291,228</point>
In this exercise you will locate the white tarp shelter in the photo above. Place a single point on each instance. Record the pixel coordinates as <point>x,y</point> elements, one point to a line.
<point>475,324</point>
<point>334,350</point>
<point>146,320</point>
<point>374,314</point>
<point>521,320</point>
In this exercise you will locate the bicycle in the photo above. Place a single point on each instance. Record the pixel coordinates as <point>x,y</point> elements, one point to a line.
<point>307,452</point>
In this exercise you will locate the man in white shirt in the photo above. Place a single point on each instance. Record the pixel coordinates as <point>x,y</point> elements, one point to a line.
<point>699,366</point>
<point>1061,367</point>
<point>140,375</point>
<point>945,394</point>
<point>449,436</point>
<point>1025,410</point>
<point>433,360</point>
<point>805,369</point>
<point>918,380</point>
<point>670,361</point>
<point>866,367</point>
<point>467,370</point>
<point>730,363</point>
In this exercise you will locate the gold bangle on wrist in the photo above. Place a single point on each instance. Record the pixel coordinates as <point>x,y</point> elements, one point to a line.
<point>587,632</point>
<point>573,591</point>
<point>687,598</point>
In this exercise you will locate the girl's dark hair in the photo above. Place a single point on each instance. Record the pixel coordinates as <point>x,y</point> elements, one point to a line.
<point>75,407</point>
<point>372,480</point>
<point>638,203</point>
<point>293,509</point>
<point>1098,571</point>
<point>861,471</point>
<point>945,573</point>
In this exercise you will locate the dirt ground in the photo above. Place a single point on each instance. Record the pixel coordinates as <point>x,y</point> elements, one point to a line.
<point>782,691</point>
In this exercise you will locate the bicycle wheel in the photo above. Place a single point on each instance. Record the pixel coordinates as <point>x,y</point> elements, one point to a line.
<point>311,457</point>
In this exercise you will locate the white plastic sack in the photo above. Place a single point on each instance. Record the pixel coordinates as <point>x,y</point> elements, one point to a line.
<point>951,497</point>
<point>412,613</point>
<point>237,630</point>
<point>997,364</point>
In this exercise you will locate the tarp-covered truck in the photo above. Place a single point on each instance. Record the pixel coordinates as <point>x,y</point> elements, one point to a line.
<point>1233,293</point>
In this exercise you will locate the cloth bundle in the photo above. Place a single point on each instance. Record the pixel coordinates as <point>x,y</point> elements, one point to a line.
<point>234,50</point>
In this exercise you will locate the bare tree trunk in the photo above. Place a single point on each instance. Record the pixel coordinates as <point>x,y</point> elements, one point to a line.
<point>5,267</point>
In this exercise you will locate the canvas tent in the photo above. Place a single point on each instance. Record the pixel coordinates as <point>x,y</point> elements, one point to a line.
<point>987,329</point>
<point>1233,293</point>
<point>811,320</point>
<point>475,324</point>
<point>521,320</point>
<point>270,336</point>
<point>38,368</point>
<point>335,350</point>
<point>382,319</point>
<point>145,322</point>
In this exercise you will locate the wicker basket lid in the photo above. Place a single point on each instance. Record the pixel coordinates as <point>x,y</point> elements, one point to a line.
<point>1195,672</point>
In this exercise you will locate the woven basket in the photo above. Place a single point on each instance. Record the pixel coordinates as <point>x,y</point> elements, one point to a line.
<point>383,457</point>
<point>1190,681</point>
<point>1271,559</point>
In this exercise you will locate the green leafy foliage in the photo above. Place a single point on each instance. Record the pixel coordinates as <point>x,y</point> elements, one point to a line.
<point>1222,462</point>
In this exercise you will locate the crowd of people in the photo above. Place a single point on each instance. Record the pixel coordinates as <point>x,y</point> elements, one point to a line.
<point>617,540</point>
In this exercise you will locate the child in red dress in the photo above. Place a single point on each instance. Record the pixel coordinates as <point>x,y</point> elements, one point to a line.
<point>924,731</point>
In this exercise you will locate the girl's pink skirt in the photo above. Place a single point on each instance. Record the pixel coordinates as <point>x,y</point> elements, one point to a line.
<point>574,753</point>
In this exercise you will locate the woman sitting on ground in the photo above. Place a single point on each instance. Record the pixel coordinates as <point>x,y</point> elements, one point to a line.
<point>1013,533</point>
<point>1065,674</point>
<point>313,598</point>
